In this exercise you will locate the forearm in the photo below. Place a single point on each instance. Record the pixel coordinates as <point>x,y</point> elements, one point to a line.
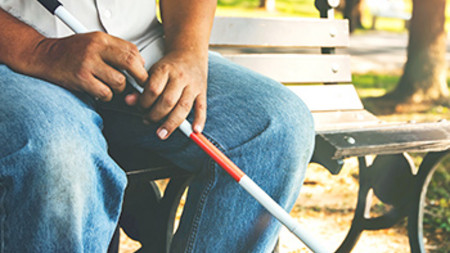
<point>187,24</point>
<point>17,43</point>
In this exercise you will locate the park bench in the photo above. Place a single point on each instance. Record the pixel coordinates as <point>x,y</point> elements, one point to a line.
<point>300,52</point>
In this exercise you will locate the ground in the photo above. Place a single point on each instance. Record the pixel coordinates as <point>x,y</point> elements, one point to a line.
<point>325,207</point>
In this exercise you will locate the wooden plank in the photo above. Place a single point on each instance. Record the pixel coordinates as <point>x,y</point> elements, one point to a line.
<point>390,139</point>
<point>298,68</point>
<point>287,32</point>
<point>339,120</point>
<point>328,97</point>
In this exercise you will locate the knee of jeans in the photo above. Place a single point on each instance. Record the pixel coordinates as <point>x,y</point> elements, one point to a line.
<point>288,125</point>
<point>39,124</point>
<point>63,174</point>
<point>66,179</point>
<point>293,123</point>
<point>58,155</point>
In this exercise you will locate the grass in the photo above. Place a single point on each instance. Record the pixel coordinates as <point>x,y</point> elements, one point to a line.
<point>376,84</point>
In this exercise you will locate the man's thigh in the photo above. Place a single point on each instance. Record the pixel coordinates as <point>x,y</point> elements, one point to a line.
<point>54,169</point>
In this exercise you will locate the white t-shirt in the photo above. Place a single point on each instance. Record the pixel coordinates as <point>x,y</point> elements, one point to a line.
<point>132,20</point>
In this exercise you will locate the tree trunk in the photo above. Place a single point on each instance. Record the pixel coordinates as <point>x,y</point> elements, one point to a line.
<point>352,12</point>
<point>424,78</point>
<point>269,5</point>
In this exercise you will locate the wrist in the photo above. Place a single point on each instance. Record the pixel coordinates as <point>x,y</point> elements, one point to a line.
<point>197,51</point>
<point>36,63</point>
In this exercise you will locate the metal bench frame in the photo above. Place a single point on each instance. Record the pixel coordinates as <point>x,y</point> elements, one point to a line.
<point>343,129</point>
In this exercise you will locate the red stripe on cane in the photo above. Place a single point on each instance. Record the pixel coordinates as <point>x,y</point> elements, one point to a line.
<point>217,156</point>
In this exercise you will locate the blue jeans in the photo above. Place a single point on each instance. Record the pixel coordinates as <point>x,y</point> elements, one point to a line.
<point>60,191</point>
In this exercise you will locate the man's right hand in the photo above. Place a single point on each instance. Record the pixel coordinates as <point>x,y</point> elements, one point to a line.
<point>88,62</point>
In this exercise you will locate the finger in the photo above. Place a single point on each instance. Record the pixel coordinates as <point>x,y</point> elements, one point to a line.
<point>110,76</point>
<point>199,113</point>
<point>97,89</point>
<point>125,55</point>
<point>154,87</point>
<point>132,99</point>
<point>167,101</point>
<point>177,116</point>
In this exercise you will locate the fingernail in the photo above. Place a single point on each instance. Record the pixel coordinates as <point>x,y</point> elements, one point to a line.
<point>198,129</point>
<point>131,99</point>
<point>162,133</point>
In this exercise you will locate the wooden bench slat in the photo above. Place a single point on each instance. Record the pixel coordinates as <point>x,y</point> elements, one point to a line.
<point>390,139</point>
<point>297,68</point>
<point>328,97</point>
<point>338,120</point>
<point>309,32</point>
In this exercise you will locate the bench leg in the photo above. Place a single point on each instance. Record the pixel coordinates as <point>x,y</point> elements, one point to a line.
<point>147,216</point>
<point>392,180</point>
<point>361,209</point>
<point>415,216</point>
<point>168,208</point>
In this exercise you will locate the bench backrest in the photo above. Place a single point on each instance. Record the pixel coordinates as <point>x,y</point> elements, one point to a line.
<point>290,50</point>
<point>286,49</point>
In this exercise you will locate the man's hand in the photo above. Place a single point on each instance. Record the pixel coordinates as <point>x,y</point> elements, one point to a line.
<point>88,62</point>
<point>177,83</point>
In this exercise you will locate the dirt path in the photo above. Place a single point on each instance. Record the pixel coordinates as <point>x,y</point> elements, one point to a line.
<point>326,207</point>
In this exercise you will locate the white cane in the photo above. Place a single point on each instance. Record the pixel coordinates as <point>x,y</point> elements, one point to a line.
<point>55,7</point>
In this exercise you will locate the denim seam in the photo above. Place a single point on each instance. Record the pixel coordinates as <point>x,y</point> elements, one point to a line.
<point>211,170</point>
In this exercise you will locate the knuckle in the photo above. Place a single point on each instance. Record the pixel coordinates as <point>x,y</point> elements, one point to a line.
<point>104,94</point>
<point>133,48</point>
<point>120,79</point>
<point>173,122</point>
<point>96,41</point>
<point>82,74</point>
<point>99,37</point>
<point>201,106</point>
<point>185,105</point>
<point>154,90</point>
<point>164,67</point>
<point>129,57</point>
<point>169,101</point>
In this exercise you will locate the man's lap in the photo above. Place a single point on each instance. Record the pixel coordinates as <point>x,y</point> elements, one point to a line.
<point>255,120</point>
<point>241,105</point>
